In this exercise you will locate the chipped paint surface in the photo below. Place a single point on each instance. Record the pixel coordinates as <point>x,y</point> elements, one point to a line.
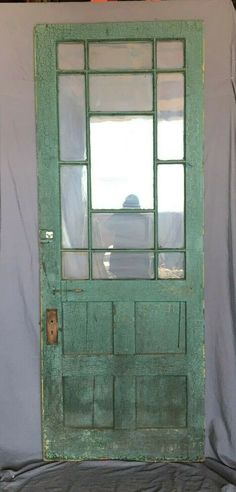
<point>126,379</point>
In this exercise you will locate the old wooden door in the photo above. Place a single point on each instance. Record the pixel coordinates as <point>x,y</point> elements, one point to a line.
<point>119,121</point>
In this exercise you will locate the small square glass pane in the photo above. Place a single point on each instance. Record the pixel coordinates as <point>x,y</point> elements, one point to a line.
<point>118,55</point>
<point>170,195</point>
<point>120,92</point>
<point>170,54</point>
<point>121,160</point>
<point>115,265</point>
<point>75,265</point>
<point>171,265</point>
<point>123,230</point>
<point>71,56</point>
<point>72,122</point>
<point>170,125</point>
<point>74,216</point>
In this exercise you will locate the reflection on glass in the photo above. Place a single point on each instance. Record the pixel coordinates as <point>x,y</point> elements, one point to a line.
<point>71,56</point>
<point>123,230</point>
<point>170,128</point>
<point>171,265</point>
<point>170,206</point>
<point>115,265</point>
<point>121,160</point>
<point>72,125</point>
<point>74,206</point>
<point>120,92</point>
<point>75,265</point>
<point>118,55</point>
<point>170,54</point>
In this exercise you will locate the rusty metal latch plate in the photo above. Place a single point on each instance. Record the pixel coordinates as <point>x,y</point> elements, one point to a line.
<point>52,327</point>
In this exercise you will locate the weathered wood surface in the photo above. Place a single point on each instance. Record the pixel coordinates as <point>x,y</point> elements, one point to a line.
<point>126,379</point>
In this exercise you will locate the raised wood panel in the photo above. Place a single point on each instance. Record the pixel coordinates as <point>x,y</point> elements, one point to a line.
<point>160,327</point>
<point>161,401</point>
<point>125,402</point>
<point>99,328</point>
<point>88,402</point>
<point>75,327</point>
<point>78,402</point>
<point>124,327</point>
<point>103,402</point>
<point>88,327</point>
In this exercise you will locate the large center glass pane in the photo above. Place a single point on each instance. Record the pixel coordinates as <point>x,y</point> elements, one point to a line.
<point>121,160</point>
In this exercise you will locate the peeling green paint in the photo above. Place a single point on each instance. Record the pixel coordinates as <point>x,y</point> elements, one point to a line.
<point>176,429</point>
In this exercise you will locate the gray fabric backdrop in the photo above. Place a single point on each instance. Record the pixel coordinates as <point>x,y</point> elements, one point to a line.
<point>20,433</point>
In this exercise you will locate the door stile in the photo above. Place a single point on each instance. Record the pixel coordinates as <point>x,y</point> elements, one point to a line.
<point>194,238</point>
<point>49,239</point>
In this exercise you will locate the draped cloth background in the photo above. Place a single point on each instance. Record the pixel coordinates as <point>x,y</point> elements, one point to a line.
<point>20,432</point>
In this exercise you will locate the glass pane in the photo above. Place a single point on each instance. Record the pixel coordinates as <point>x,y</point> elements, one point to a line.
<point>121,160</point>
<point>118,55</point>
<point>75,265</point>
<point>121,92</point>
<point>72,122</point>
<point>114,265</point>
<point>171,265</point>
<point>170,54</point>
<point>170,93</point>
<point>123,230</point>
<point>71,56</point>
<point>74,207</point>
<point>170,206</point>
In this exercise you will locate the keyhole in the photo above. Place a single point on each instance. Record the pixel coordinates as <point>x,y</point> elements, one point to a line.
<point>52,330</point>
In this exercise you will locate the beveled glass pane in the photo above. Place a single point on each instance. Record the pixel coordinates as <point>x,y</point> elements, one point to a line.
<point>72,123</point>
<point>170,54</point>
<point>121,160</point>
<point>121,92</point>
<point>170,128</point>
<point>170,180</point>
<point>71,56</point>
<point>171,265</point>
<point>123,230</point>
<point>74,220</point>
<point>75,265</point>
<point>115,265</point>
<point>118,55</point>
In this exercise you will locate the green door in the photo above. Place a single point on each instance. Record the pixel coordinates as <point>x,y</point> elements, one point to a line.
<point>119,121</point>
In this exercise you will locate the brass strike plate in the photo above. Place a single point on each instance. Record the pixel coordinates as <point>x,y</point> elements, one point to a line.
<point>52,327</point>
